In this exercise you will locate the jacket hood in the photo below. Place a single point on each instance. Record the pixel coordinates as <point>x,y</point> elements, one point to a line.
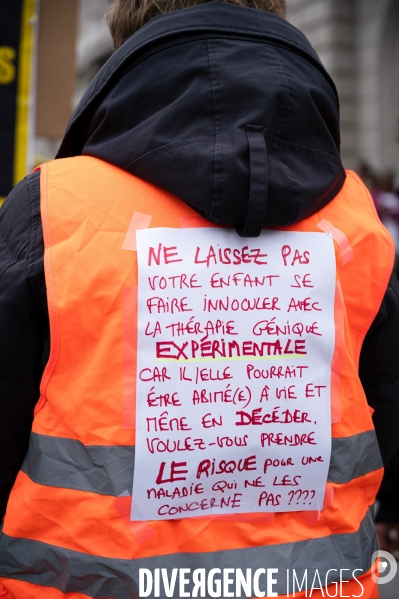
<point>229,108</point>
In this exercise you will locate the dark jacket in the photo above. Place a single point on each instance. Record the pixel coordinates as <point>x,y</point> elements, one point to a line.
<point>176,105</point>
<point>388,510</point>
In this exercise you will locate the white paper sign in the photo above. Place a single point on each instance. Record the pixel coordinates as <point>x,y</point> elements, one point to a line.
<point>235,345</point>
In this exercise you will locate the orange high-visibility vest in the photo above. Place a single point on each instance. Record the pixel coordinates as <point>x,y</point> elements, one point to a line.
<point>66,532</point>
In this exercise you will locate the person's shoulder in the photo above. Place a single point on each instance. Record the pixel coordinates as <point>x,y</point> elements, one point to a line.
<point>19,214</point>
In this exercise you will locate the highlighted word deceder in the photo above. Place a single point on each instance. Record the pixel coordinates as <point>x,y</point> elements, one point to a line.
<point>235,344</point>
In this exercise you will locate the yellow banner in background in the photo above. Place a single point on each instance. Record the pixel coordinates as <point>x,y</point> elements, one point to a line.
<point>17,90</point>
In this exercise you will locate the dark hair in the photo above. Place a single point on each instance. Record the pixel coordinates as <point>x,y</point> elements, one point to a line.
<point>125,17</point>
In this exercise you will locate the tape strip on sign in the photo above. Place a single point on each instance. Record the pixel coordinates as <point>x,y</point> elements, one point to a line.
<point>340,239</point>
<point>139,221</point>
<point>141,531</point>
<point>312,517</point>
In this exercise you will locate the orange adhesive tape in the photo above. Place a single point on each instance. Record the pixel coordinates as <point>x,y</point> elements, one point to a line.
<point>141,531</point>
<point>340,239</point>
<point>310,518</point>
<point>314,516</point>
<point>328,497</point>
<point>130,300</point>
<point>139,221</point>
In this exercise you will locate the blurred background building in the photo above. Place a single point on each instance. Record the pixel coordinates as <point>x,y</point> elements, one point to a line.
<point>358,42</point>
<point>68,42</point>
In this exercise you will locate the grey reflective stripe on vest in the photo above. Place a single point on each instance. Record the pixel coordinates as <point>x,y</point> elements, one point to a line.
<point>58,462</point>
<point>354,456</point>
<point>98,577</point>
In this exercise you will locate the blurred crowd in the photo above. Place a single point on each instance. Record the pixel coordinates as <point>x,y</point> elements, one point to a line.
<point>384,188</point>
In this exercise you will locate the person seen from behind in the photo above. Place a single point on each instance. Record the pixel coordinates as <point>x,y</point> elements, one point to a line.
<point>218,111</point>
